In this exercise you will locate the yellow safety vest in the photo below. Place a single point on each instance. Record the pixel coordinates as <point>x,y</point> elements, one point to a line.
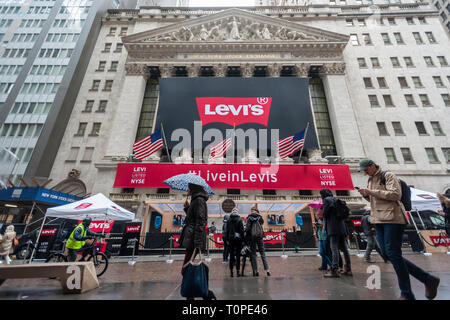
<point>75,244</point>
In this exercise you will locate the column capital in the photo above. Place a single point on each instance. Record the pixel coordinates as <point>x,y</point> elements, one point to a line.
<point>165,70</point>
<point>247,70</point>
<point>137,69</point>
<point>315,157</point>
<point>193,70</point>
<point>302,69</point>
<point>220,70</point>
<point>274,70</point>
<point>337,68</point>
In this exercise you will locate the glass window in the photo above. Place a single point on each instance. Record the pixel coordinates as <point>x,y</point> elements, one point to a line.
<point>438,82</point>
<point>102,106</point>
<point>112,31</point>
<point>73,154</point>
<point>390,155</point>
<point>119,47</point>
<point>349,22</point>
<point>375,62</point>
<point>437,128</point>
<point>395,62</point>
<point>95,85</point>
<point>446,152</point>
<point>382,82</point>
<point>81,129</point>
<point>89,105</point>
<point>398,130</point>
<point>101,66</point>
<point>442,61</point>
<point>366,39</point>
<point>398,38</point>
<point>95,129</point>
<point>410,100</point>
<point>38,130</point>
<point>391,21</point>
<point>88,152</point>
<point>408,61</point>
<point>368,82</point>
<point>430,37</point>
<point>407,156</point>
<point>114,65</point>
<point>429,61</point>
<point>388,101</point>
<point>403,82</point>
<point>373,101</point>
<point>410,20</point>
<point>386,38</point>
<point>108,85</point>
<point>446,98</point>
<point>425,101</point>
<point>362,63</point>
<point>431,154</point>
<point>418,38</point>
<point>382,130</point>
<point>421,128</point>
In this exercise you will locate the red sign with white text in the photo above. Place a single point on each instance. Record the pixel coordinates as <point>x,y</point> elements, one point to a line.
<point>83,205</point>
<point>356,223</point>
<point>97,226</point>
<point>238,176</point>
<point>48,232</point>
<point>440,241</point>
<point>131,229</point>
<point>234,111</point>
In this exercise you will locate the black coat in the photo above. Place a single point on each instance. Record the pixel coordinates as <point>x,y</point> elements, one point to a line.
<point>235,224</point>
<point>197,216</point>
<point>333,225</point>
<point>366,225</point>
<point>253,217</point>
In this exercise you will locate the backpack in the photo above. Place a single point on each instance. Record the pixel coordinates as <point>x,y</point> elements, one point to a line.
<point>256,231</point>
<point>406,191</point>
<point>342,210</point>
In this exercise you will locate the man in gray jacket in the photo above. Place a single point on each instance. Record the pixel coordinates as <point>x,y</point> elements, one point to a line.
<point>389,217</point>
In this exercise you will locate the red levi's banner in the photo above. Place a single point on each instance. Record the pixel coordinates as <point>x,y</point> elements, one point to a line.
<point>97,226</point>
<point>269,237</point>
<point>238,176</point>
<point>234,111</point>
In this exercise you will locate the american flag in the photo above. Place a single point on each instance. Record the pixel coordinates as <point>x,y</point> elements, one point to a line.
<point>147,146</point>
<point>218,150</point>
<point>291,144</point>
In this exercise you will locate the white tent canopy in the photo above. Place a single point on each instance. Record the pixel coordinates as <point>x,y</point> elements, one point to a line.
<point>97,207</point>
<point>424,200</point>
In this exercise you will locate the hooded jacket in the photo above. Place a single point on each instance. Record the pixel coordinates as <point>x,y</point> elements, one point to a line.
<point>253,217</point>
<point>197,216</point>
<point>7,240</point>
<point>333,225</point>
<point>235,225</point>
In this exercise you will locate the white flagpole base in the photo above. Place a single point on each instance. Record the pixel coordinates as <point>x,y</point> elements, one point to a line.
<point>132,262</point>
<point>284,256</point>
<point>169,261</point>
<point>360,255</point>
<point>208,259</point>
<point>427,254</point>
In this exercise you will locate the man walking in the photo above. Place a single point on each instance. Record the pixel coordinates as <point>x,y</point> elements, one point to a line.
<point>389,217</point>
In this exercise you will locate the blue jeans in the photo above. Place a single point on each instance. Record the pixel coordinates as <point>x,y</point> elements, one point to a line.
<point>323,252</point>
<point>390,240</point>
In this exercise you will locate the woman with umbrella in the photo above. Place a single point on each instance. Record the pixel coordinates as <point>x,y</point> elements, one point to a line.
<point>196,216</point>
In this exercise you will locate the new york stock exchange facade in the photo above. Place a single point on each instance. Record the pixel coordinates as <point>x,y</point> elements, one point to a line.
<point>268,75</point>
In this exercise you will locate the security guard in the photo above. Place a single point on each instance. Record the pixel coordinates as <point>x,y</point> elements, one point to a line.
<point>77,239</point>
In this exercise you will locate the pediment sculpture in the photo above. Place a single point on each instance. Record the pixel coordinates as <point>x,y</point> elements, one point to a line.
<point>235,29</point>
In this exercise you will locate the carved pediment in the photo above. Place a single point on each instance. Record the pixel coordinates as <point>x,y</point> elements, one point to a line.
<point>235,25</point>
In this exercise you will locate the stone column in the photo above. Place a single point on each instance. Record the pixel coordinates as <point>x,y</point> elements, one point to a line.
<point>193,70</point>
<point>302,69</point>
<point>342,116</point>
<point>165,70</point>
<point>126,114</point>
<point>247,70</point>
<point>315,157</point>
<point>220,70</point>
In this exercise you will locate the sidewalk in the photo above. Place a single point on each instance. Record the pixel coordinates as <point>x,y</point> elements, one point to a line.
<point>293,278</point>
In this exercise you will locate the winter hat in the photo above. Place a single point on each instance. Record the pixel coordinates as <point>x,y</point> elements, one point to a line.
<point>254,210</point>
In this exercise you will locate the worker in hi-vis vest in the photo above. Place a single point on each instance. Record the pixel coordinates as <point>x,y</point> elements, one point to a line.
<point>77,239</point>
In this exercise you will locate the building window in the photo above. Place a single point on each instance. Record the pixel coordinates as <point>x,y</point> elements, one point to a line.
<point>398,130</point>
<point>422,20</point>
<point>362,63</point>
<point>95,85</point>
<point>403,82</point>
<point>87,156</point>
<point>429,61</point>
<point>437,128</point>
<point>382,130</point>
<point>349,22</point>
<point>108,85</point>
<point>123,31</point>
<point>102,106</point>
<point>145,125</point>
<point>408,62</point>
<point>95,129</point>
<point>418,38</point>
<point>373,101</point>
<point>417,82</point>
<point>407,156</point>
<point>386,39</point>
<point>398,38</point>
<point>410,100</point>
<point>410,20</point>
<point>446,98</point>
<point>442,61</point>
<point>375,63</point>
<point>119,47</point>
<point>361,22</point>
<point>421,128</point>
<point>114,65</point>
<point>81,129</point>
<point>395,62</point>
<point>354,40</point>
<point>438,82</point>
<point>368,83</point>
<point>431,154</point>
<point>107,47</point>
<point>73,154</point>
<point>390,155</point>
<point>388,101</point>
<point>366,39</point>
<point>446,152</point>
<point>391,21</point>
<point>89,105</point>
<point>382,82</point>
<point>101,66</point>
<point>425,101</point>
<point>112,31</point>
<point>430,37</point>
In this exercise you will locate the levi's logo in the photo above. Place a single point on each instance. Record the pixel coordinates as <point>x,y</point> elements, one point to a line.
<point>83,205</point>
<point>234,111</point>
<point>133,229</point>
<point>48,232</point>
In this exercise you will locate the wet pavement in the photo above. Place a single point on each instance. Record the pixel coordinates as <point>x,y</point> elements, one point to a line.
<point>293,278</point>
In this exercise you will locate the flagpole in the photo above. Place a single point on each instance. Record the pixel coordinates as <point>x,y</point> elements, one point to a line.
<point>165,142</point>
<point>304,142</point>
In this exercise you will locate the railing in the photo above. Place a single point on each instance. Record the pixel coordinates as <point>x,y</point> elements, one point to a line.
<point>124,197</point>
<point>269,197</point>
<point>160,196</point>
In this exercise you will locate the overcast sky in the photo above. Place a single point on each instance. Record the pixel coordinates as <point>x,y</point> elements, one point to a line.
<point>221,3</point>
